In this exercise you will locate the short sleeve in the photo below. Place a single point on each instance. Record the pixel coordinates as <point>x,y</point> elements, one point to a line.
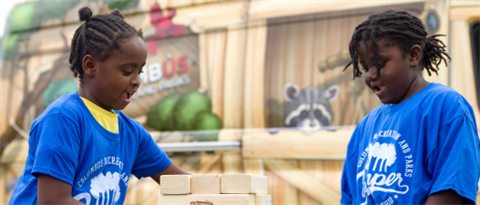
<point>455,164</point>
<point>348,186</point>
<point>150,159</point>
<point>57,148</point>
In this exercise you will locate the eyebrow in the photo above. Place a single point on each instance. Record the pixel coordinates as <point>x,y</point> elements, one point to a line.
<point>133,64</point>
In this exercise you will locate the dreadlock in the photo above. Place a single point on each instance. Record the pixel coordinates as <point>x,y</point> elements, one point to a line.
<point>399,28</point>
<point>98,36</point>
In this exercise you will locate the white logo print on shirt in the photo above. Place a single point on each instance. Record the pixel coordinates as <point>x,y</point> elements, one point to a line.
<point>376,175</point>
<point>103,187</point>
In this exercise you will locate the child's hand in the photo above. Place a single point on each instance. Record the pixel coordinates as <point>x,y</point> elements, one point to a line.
<point>171,170</point>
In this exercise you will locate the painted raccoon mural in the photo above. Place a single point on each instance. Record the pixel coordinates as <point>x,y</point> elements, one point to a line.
<point>309,109</point>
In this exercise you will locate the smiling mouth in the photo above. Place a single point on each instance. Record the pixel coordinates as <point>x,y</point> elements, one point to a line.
<point>127,96</point>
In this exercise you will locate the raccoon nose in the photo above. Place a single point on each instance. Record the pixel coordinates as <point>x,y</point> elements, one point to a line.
<point>312,124</point>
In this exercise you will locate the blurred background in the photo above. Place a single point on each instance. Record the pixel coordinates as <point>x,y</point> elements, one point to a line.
<point>224,86</point>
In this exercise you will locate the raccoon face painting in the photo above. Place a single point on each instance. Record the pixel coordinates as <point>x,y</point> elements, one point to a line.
<point>309,109</point>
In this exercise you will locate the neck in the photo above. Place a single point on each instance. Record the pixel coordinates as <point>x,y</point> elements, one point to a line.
<point>418,84</point>
<point>84,92</point>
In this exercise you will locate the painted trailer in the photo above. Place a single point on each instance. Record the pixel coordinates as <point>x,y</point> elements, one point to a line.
<point>239,67</point>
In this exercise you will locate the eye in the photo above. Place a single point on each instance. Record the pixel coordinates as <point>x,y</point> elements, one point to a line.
<point>318,113</point>
<point>126,73</point>
<point>382,64</point>
<point>303,114</point>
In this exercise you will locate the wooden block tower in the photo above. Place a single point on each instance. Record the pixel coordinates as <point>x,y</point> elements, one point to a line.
<point>214,189</point>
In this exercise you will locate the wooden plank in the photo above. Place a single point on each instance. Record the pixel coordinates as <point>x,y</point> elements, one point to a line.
<point>292,144</point>
<point>461,74</point>
<point>303,181</point>
<point>253,166</point>
<point>205,184</point>
<point>216,199</point>
<point>207,161</point>
<point>232,162</point>
<point>3,184</point>
<point>254,72</point>
<point>263,9</point>
<point>216,63</point>
<point>233,81</point>
<point>244,184</point>
<point>16,151</point>
<point>263,199</point>
<point>175,184</point>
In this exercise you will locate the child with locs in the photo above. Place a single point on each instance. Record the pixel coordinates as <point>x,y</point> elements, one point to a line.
<point>421,146</point>
<point>82,149</point>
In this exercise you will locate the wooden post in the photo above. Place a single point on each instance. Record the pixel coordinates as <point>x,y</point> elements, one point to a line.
<point>233,78</point>
<point>254,75</point>
<point>3,184</point>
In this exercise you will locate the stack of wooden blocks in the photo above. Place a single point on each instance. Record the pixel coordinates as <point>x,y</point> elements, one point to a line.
<point>214,189</point>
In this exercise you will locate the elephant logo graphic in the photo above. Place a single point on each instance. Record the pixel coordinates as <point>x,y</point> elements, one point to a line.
<point>104,188</point>
<point>385,153</point>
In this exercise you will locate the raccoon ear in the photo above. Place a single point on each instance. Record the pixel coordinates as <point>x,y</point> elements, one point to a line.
<point>291,91</point>
<point>332,92</point>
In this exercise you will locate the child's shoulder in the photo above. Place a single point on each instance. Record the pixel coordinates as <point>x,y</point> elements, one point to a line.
<point>439,94</point>
<point>66,106</point>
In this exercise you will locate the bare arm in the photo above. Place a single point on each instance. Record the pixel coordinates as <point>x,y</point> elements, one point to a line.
<point>171,170</point>
<point>54,191</point>
<point>445,197</point>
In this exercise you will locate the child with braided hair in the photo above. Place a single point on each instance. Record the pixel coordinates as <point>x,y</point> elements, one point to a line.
<point>421,146</point>
<point>82,149</point>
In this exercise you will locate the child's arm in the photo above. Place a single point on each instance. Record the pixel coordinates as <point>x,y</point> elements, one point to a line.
<point>444,197</point>
<point>172,169</point>
<point>54,191</point>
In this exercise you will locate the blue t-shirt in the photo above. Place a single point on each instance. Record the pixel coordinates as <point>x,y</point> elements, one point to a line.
<point>67,143</point>
<point>401,154</point>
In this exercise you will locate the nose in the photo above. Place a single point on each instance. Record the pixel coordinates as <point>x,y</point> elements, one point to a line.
<point>371,74</point>
<point>136,80</point>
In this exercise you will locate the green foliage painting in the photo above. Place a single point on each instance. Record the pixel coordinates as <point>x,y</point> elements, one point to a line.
<point>192,111</point>
<point>25,19</point>
<point>57,88</point>
<point>54,9</point>
<point>122,4</point>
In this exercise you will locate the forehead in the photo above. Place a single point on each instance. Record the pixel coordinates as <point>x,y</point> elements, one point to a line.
<point>133,48</point>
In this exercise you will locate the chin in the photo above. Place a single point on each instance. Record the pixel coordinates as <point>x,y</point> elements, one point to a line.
<point>119,107</point>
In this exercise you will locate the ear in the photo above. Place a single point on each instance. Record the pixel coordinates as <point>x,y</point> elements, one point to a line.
<point>291,91</point>
<point>89,65</point>
<point>415,56</point>
<point>332,92</point>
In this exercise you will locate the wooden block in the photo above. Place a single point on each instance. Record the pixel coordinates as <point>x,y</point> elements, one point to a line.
<point>243,184</point>
<point>175,184</point>
<point>263,199</point>
<point>205,184</point>
<point>201,199</point>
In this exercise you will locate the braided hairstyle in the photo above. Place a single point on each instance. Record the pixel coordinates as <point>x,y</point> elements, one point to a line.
<point>398,28</point>
<point>98,36</point>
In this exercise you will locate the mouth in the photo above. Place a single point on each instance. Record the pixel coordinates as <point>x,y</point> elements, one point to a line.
<point>378,89</point>
<point>127,96</point>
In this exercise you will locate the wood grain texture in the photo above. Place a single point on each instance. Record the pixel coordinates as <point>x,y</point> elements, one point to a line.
<point>292,144</point>
<point>244,184</point>
<point>175,184</point>
<point>302,181</point>
<point>205,184</point>
<point>216,199</point>
<point>263,199</point>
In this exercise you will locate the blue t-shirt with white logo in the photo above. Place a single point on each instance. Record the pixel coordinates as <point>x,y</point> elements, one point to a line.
<point>403,153</point>
<point>67,143</point>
